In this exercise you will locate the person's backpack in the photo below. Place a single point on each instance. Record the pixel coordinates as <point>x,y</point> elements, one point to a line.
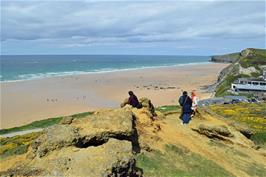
<point>181,100</point>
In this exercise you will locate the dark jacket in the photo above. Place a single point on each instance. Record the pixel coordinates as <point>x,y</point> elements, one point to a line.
<point>186,103</point>
<point>134,102</point>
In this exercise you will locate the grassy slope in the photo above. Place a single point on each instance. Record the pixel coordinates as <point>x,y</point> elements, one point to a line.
<point>258,58</point>
<point>41,123</point>
<point>252,115</point>
<point>178,161</point>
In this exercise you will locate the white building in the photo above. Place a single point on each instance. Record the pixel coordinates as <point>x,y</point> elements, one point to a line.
<point>248,84</point>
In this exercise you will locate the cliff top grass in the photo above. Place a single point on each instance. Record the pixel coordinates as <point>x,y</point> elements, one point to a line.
<point>248,58</point>
<point>41,123</point>
<point>252,115</point>
<point>16,145</point>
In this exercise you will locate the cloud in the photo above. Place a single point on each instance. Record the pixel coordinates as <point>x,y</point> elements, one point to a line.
<point>75,24</point>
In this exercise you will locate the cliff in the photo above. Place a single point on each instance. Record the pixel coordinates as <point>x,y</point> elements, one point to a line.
<point>138,142</point>
<point>247,63</point>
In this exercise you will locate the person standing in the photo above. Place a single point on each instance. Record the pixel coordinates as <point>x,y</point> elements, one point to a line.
<point>195,101</point>
<point>186,104</point>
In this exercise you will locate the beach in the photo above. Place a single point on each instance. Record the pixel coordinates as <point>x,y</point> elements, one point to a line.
<point>25,101</point>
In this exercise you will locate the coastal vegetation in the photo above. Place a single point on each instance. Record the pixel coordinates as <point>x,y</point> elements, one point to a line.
<point>167,148</point>
<point>252,115</point>
<point>245,64</point>
<point>41,123</point>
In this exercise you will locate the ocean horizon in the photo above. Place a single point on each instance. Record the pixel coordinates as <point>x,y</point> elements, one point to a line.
<point>28,67</point>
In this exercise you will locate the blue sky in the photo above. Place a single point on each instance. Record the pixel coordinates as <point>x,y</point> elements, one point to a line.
<point>131,27</point>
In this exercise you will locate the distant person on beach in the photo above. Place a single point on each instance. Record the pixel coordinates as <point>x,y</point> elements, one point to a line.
<point>133,100</point>
<point>195,101</point>
<point>186,104</point>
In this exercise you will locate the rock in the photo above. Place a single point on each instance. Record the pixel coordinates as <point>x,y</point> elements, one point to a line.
<point>54,137</point>
<point>99,127</point>
<point>66,120</point>
<point>114,158</point>
<point>214,131</point>
<point>244,130</point>
<point>146,103</point>
<point>124,103</point>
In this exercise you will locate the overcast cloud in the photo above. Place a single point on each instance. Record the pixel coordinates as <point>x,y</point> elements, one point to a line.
<point>131,27</point>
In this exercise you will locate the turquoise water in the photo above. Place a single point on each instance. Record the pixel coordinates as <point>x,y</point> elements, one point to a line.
<point>26,67</point>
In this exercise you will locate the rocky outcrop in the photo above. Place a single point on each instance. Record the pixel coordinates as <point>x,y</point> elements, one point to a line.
<point>214,131</point>
<point>145,102</point>
<point>102,144</point>
<point>55,137</point>
<point>228,58</point>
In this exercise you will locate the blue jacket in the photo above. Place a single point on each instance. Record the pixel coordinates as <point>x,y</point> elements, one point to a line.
<point>186,103</point>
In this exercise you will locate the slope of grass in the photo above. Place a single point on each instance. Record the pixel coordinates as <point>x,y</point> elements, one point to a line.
<point>225,85</point>
<point>16,145</point>
<point>41,123</point>
<point>256,58</point>
<point>178,161</point>
<point>252,115</point>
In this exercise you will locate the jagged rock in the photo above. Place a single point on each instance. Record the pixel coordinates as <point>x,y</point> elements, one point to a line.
<point>244,130</point>
<point>146,103</point>
<point>66,120</point>
<point>114,158</point>
<point>99,127</point>
<point>214,131</point>
<point>54,137</point>
<point>124,103</point>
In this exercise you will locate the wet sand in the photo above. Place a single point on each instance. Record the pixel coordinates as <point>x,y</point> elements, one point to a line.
<point>26,101</point>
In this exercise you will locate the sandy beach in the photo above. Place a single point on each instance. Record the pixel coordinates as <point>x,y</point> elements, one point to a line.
<point>26,101</point>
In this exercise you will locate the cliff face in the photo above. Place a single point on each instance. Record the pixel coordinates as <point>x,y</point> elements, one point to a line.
<point>228,58</point>
<point>134,142</point>
<point>247,63</point>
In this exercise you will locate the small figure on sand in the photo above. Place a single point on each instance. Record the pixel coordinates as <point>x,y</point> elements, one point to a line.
<point>133,100</point>
<point>186,104</point>
<point>195,101</point>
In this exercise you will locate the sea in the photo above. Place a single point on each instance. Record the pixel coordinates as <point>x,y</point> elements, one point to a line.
<point>27,67</point>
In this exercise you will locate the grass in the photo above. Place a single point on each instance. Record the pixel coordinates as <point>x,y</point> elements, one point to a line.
<point>178,161</point>
<point>252,115</point>
<point>168,108</point>
<point>257,58</point>
<point>41,123</point>
<point>16,145</point>
<point>225,85</point>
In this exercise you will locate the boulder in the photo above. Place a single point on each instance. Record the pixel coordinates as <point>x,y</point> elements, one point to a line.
<point>114,158</point>
<point>146,103</point>
<point>66,120</point>
<point>54,137</point>
<point>214,131</point>
<point>101,126</point>
<point>244,130</point>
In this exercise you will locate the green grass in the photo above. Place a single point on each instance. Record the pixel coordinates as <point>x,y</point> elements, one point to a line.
<point>41,123</point>
<point>225,85</point>
<point>16,145</point>
<point>168,108</point>
<point>259,139</point>
<point>252,115</point>
<point>178,161</point>
<point>257,59</point>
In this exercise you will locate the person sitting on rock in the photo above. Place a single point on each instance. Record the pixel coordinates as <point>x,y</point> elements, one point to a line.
<point>133,100</point>
<point>186,104</point>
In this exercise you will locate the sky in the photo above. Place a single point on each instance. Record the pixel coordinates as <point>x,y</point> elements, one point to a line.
<point>131,27</point>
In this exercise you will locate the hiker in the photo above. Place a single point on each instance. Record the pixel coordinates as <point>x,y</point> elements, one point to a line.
<point>195,101</point>
<point>133,100</point>
<point>186,104</point>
